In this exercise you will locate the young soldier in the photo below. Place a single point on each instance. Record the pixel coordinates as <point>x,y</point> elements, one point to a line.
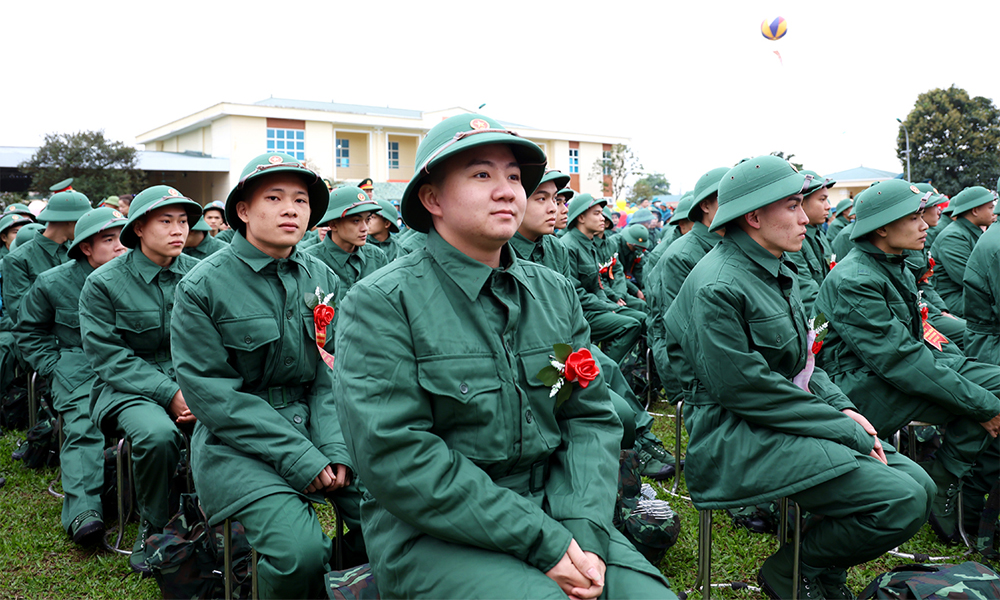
<point>813,261</point>
<point>891,364</point>
<point>973,208</point>
<point>125,323</point>
<point>10,224</point>
<point>48,334</point>
<point>381,227</point>
<point>199,243</point>
<point>612,323</point>
<point>633,242</point>
<point>268,443</point>
<point>563,197</point>
<point>481,485</point>
<point>842,216</point>
<point>763,424</point>
<point>215,216</point>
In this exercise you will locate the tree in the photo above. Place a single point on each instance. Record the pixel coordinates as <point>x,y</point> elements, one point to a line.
<point>954,140</point>
<point>99,167</point>
<point>653,184</point>
<point>618,164</point>
<point>780,154</point>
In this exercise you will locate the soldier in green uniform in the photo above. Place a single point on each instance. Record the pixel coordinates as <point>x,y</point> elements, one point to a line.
<point>763,422</point>
<point>946,219</point>
<point>10,224</point>
<point>883,354</point>
<point>973,209</point>
<point>612,269</point>
<point>367,187</point>
<point>645,217</point>
<point>610,322</point>
<point>48,335</point>
<point>633,243</point>
<point>345,249</point>
<point>215,216</point>
<point>125,323</point>
<point>482,484</point>
<point>679,225</point>
<point>812,263</point>
<point>381,228</point>
<point>268,443</point>
<point>842,216</point>
<point>20,209</point>
<point>563,197</point>
<point>199,243</point>
<point>26,234</point>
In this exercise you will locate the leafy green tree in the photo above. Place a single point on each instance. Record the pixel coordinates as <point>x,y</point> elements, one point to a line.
<point>652,184</point>
<point>619,163</point>
<point>789,158</point>
<point>99,167</point>
<point>954,140</point>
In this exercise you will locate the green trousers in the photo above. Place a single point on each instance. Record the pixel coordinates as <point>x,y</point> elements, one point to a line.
<point>978,483</point>
<point>951,327</point>
<point>617,332</point>
<point>867,511</point>
<point>295,554</point>
<point>156,450</point>
<point>81,458</point>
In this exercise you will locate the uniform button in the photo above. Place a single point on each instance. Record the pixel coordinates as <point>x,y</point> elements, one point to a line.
<point>288,314</point>
<point>248,339</point>
<point>463,388</point>
<point>778,339</point>
<point>170,373</point>
<point>137,324</point>
<point>289,361</point>
<point>170,307</point>
<point>528,416</point>
<point>297,419</point>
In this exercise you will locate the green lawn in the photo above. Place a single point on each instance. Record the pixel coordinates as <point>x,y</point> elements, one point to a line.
<point>37,560</point>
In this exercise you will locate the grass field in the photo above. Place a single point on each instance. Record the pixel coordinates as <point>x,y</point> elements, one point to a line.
<point>37,559</point>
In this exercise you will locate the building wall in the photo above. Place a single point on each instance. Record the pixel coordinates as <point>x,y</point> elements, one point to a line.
<point>199,186</point>
<point>407,156</point>
<point>358,147</point>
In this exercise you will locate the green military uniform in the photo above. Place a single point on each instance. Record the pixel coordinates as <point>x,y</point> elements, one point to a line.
<point>26,234</point>
<point>390,246</point>
<point>935,231</point>
<point>644,216</point>
<point>225,236</point>
<point>8,221</point>
<point>632,259</point>
<point>48,334</point>
<point>952,248</point>
<point>737,340</point>
<point>876,353</point>
<point>609,323</point>
<point>672,232</point>
<point>8,351</point>
<point>208,245</point>
<point>842,243</point>
<point>840,221</point>
<point>125,324</point>
<point>413,240</point>
<point>812,263</point>
<point>612,269</point>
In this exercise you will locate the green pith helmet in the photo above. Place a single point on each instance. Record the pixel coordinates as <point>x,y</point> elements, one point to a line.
<point>65,207</point>
<point>111,201</point>
<point>608,218</point>
<point>683,210</point>
<point>457,134</point>
<point>21,209</point>
<point>818,181</point>
<point>346,201</point>
<point>218,205</point>
<point>637,235</point>
<point>936,197</point>
<point>151,199</point>
<point>842,206</point>
<point>62,186</point>
<point>390,214</point>
<point>13,219</point>
<point>26,234</point>
<point>885,202</point>
<point>93,223</point>
<point>560,179</point>
<point>708,184</point>
<point>970,198</point>
<point>276,162</point>
<point>201,225</point>
<point>755,183</point>
<point>567,192</point>
<point>580,204</point>
<point>643,215</point>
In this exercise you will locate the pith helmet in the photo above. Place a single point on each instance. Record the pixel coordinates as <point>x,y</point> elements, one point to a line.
<point>62,186</point>
<point>637,235</point>
<point>708,184</point>
<point>683,210</point>
<point>560,179</point>
<point>580,204</point>
<point>936,198</point>
<point>151,199</point>
<point>567,192</point>
<point>65,207</point>
<point>21,209</point>
<point>201,225</point>
<point>13,220</point>
<point>970,198</point>
<point>389,213</point>
<point>843,205</point>
<point>26,234</point>
<point>276,162</point>
<point>755,183</point>
<point>457,134</point>
<point>885,202</point>
<point>818,181</point>
<point>93,223</point>
<point>346,201</point>
<point>609,218</point>
<point>218,205</point>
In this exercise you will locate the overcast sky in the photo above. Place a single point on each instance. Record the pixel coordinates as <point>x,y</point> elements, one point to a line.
<point>693,84</point>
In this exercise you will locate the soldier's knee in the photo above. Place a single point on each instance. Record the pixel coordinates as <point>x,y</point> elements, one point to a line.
<point>909,507</point>
<point>158,440</point>
<point>304,556</point>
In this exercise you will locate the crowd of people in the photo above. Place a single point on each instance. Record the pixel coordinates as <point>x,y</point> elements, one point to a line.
<point>458,373</point>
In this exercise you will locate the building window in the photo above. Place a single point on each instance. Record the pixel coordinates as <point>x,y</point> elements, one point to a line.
<point>574,160</point>
<point>393,155</point>
<point>607,162</point>
<point>288,141</point>
<point>343,153</point>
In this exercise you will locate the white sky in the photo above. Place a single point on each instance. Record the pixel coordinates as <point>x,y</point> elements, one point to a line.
<point>693,84</point>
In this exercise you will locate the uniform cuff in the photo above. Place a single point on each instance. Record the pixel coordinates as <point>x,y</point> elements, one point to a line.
<point>590,536</point>
<point>304,470</point>
<point>553,542</point>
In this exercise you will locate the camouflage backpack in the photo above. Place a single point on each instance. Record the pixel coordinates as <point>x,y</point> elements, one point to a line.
<point>187,558</point>
<point>356,583</point>
<point>967,581</point>
<point>986,541</point>
<point>41,448</point>
<point>650,524</point>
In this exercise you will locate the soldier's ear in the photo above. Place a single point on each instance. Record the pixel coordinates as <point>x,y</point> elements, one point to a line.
<point>881,232</point>
<point>429,197</point>
<point>243,211</point>
<point>752,219</point>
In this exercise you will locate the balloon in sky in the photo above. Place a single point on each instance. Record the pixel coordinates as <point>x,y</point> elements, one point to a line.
<point>775,30</point>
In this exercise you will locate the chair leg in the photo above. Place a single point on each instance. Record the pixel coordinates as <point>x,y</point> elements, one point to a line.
<point>703,581</point>
<point>227,557</point>
<point>649,378</point>
<point>32,399</point>
<point>254,590</point>
<point>678,418</point>
<point>62,438</point>
<point>123,465</point>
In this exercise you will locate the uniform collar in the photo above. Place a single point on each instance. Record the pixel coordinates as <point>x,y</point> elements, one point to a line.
<point>700,231</point>
<point>148,269</point>
<point>753,250</point>
<point>49,246</point>
<point>337,253</point>
<point>467,273</point>
<point>523,246</point>
<point>871,249</point>
<point>256,259</point>
<point>969,225</point>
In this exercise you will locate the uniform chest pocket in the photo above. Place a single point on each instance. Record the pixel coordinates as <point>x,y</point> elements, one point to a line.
<point>138,321</point>
<point>248,339</point>
<point>901,310</point>
<point>470,413</point>
<point>67,318</point>
<point>541,414</point>
<point>776,332</point>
